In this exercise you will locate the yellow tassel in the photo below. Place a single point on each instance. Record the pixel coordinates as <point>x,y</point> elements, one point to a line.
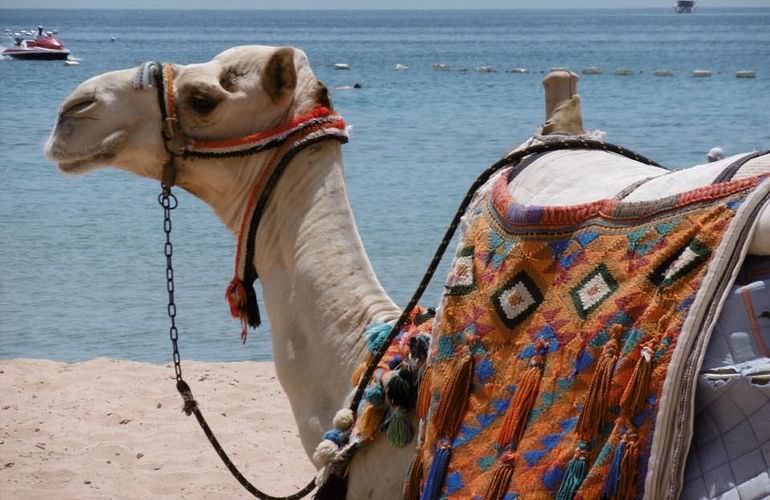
<point>450,411</point>
<point>629,467</point>
<point>424,394</point>
<point>414,478</point>
<point>358,373</point>
<point>595,407</point>
<point>370,421</point>
<point>515,421</point>
<point>634,395</point>
<point>501,478</point>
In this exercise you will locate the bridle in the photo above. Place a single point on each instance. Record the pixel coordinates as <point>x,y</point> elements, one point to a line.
<point>295,135</point>
<point>240,294</point>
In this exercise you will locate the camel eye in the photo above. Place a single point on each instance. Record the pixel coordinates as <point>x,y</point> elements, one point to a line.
<point>203,104</point>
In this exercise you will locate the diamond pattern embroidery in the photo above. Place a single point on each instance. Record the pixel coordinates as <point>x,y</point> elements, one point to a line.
<point>680,263</point>
<point>461,280</point>
<point>517,299</point>
<point>593,290</point>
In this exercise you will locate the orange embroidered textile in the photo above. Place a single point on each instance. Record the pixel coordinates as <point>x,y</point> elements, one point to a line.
<point>570,318</point>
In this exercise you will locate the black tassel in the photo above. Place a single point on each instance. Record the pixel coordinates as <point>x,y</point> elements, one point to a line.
<point>252,309</point>
<point>402,390</point>
<point>335,488</point>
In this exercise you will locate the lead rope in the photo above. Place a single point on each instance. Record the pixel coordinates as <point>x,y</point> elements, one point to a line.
<point>169,202</point>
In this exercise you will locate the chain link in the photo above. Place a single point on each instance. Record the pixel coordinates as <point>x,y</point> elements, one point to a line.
<point>168,201</point>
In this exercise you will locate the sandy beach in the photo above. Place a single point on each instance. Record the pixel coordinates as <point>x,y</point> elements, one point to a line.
<point>113,429</point>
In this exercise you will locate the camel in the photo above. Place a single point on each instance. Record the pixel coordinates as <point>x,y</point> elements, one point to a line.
<point>320,291</point>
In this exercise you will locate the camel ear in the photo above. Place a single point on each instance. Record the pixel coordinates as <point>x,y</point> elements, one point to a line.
<point>279,77</point>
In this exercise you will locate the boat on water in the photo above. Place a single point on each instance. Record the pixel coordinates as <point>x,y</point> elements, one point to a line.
<point>44,46</point>
<point>685,6</point>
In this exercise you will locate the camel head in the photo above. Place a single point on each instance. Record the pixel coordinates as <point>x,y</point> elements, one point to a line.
<point>109,121</point>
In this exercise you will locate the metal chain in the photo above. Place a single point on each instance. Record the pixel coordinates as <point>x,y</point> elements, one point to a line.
<point>169,202</point>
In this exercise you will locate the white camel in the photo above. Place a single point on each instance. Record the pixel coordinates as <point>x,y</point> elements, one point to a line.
<point>319,288</point>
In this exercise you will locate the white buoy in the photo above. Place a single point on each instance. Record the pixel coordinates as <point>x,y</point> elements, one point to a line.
<point>592,70</point>
<point>518,70</point>
<point>664,72</point>
<point>401,67</point>
<point>341,66</point>
<point>715,154</point>
<point>486,69</point>
<point>113,38</point>
<point>702,73</point>
<point>746,73</point>
<point>624,72</point>
<point>440,67</point>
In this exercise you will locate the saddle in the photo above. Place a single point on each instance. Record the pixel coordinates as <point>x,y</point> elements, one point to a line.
<point>566,347</point>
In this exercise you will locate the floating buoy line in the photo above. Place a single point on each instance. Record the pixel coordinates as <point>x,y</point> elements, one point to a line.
<point>589,70</point>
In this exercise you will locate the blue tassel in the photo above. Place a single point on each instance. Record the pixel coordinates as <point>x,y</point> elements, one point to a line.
<point>576,472</point>
<point>374,394</point>
<point>613,475</point>
<point>376,336</point>
<point>432,488</point>
<point>336,436</point>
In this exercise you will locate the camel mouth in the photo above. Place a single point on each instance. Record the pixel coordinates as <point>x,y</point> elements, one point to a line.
<point>74,163</point>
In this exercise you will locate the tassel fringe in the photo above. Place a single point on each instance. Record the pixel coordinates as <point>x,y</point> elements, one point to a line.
<point>629,467</point>
<point>242,300</point>
<point>358,373</point>
<point>450,411</point>
<point>424,394</point>
<point>515,421</point>
<point>634,395</point>
<point>437,472</point>
<point>370,421</point>
<point>501,478</point>
<point>414,478</point>
<point>400,430</point>
<point>595,407</point>
<point>576,472</point>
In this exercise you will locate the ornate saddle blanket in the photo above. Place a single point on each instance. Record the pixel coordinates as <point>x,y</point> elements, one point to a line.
<point>567,345</point>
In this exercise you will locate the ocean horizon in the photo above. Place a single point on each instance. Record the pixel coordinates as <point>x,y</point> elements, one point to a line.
<point>81,262</point>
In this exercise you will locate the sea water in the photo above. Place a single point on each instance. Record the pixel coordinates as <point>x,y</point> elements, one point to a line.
<point>81,263</point>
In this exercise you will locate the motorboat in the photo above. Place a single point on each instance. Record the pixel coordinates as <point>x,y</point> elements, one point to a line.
<point>685,6</point>
<point>44,46</point>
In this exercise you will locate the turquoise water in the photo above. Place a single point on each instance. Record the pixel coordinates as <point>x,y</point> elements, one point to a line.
<point>81,267</point>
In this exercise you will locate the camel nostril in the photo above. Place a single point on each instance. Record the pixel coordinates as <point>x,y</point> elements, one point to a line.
<point>78,106</point>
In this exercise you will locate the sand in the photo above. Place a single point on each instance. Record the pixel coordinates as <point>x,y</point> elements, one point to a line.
<point>113,429</point>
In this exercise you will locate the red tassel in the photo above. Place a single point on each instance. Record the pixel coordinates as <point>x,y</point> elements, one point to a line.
<point>424,394</point>
<point>629,467</point>
<point>237,299</point>
<point>635,394</point>
<point>515,421</point>
<point>501,478</point>
<point>595,406</point>
<point>414,478</point>
<point>450,411</point>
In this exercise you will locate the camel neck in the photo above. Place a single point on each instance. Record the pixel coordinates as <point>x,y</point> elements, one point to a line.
<point>319,288</point>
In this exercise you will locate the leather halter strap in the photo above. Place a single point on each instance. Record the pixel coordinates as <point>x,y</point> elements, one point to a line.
<point>288,139</point>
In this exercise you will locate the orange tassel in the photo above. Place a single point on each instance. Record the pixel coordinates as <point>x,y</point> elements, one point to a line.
<point>634,395</point>
<point>414,478</point>
<point>501,478</point>
<point>516,417</point>
<point>450,411</point>
<point>358,373</point>
<point>595,406</point>
<point>629,467</point>
<point>370,421</point>
<point>424,394</point>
